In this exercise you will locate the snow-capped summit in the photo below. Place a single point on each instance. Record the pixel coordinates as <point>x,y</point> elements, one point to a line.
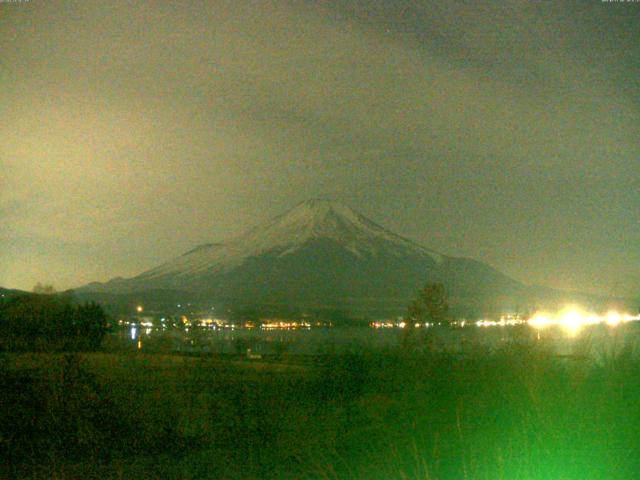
<point>318,218</point>
<point>285,234</point>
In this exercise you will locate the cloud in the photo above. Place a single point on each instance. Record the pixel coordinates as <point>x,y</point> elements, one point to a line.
<point>143,128</point>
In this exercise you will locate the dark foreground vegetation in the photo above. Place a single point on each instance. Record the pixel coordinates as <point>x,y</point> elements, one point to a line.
<point>47,323</point>
<point>518,413</point>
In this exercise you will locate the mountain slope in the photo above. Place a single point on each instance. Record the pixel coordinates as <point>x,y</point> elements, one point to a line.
<point>320,253</point>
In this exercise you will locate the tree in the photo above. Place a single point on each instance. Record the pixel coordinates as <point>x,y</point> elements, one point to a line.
<point>50,323</point>
<point>90,326</point>
<point>41,289</point>
<point>430,305</point>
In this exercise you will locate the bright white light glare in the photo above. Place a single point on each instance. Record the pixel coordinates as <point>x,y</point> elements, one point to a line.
<point>572,319</point>
<point>540,321</point>
<point>613,318</point>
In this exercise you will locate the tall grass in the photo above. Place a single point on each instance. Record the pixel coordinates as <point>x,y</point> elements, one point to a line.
<point>516,413</point>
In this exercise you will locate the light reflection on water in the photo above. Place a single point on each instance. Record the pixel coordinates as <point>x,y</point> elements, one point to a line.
<point>593,340</point>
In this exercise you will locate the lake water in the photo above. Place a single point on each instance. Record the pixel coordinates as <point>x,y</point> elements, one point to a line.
<point>593,340</point>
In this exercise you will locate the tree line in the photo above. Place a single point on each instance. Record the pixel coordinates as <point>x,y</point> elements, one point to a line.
<point>35,322</point>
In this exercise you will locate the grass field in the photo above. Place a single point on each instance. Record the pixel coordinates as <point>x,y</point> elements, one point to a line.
<point>516,414</point>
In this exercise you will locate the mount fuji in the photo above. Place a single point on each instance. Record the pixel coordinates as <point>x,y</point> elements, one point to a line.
<point>320,254</point>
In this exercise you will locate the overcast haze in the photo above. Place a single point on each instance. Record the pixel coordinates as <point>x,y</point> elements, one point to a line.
<point>508,132</point>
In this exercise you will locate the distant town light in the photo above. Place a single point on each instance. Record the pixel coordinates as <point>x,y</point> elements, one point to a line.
<point>139,308</point>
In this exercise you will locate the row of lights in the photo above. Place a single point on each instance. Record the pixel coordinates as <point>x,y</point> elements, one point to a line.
<point>285,325</point>
<point>571,319</point>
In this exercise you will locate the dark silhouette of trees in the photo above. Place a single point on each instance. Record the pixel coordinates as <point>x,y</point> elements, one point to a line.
<point>50,323</point>
<point>430,305</point>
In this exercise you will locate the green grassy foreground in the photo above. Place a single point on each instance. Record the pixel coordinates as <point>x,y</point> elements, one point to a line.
<point>515,414</point>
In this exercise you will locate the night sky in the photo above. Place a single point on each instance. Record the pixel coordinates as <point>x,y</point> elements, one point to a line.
<point>506,131</point>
